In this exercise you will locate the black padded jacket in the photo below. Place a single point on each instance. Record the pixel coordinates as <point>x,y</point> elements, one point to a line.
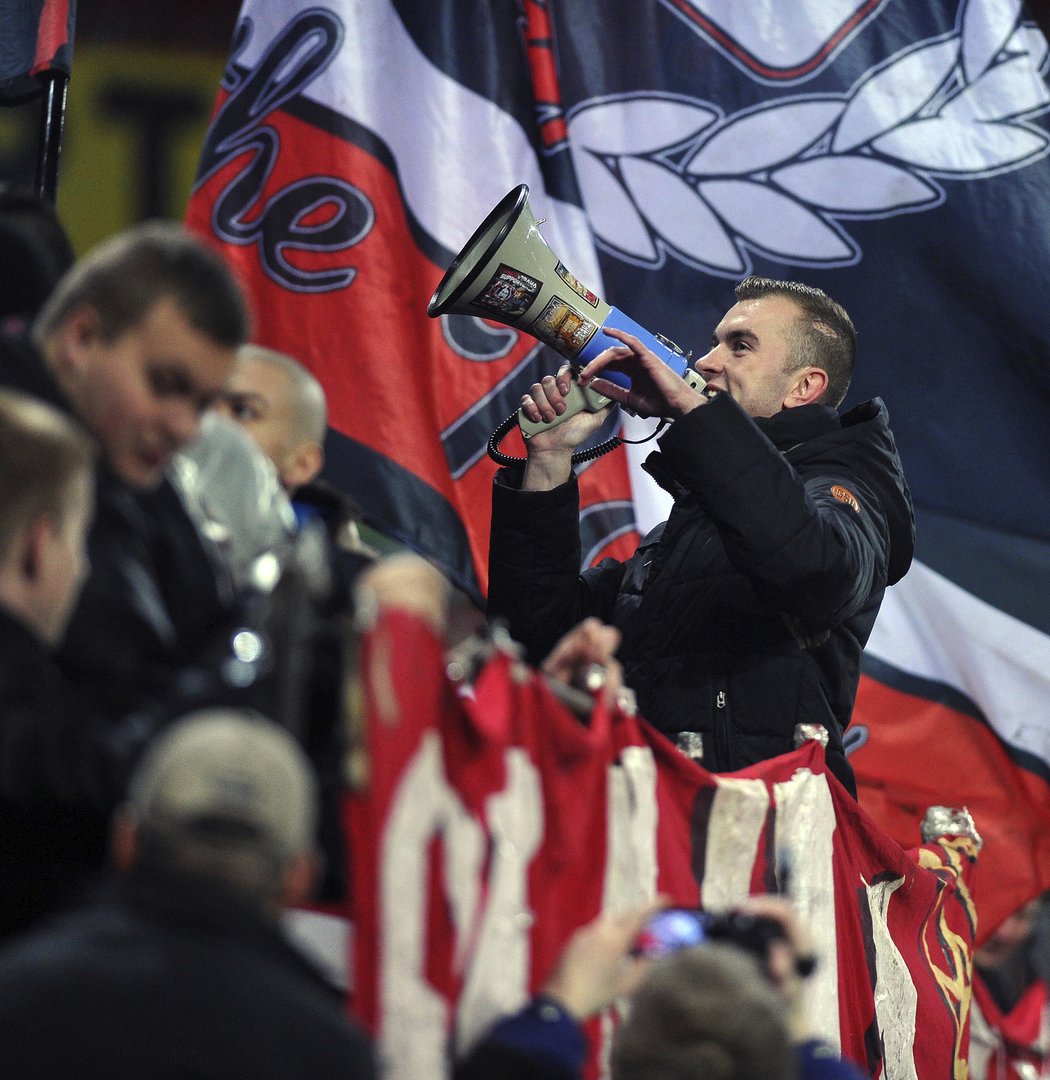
<point>745,613</point>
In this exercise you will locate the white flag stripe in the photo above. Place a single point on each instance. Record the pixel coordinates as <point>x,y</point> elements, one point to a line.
<point>936,630</point>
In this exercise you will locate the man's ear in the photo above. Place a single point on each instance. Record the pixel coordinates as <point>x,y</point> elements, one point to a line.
<point>35,538</point>
<point>123,839</point>
<point>301,465</point>
<point>808,386</point>
<point>77,335</point>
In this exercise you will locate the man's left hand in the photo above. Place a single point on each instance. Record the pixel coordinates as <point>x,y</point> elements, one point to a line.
<point>656,389</point>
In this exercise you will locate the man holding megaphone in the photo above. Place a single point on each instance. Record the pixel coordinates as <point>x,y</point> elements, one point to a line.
<point>743,616</point>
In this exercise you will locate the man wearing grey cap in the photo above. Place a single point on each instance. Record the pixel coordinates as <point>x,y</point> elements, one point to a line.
<point>180,968</point>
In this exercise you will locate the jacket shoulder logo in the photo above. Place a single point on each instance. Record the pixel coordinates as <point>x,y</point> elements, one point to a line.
<point>843,494</point>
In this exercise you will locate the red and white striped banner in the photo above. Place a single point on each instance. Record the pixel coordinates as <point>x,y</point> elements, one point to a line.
<point>495,824</point>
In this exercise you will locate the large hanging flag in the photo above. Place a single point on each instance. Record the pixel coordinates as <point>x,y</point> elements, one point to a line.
<point>345,166</point>
<point>892,153</point>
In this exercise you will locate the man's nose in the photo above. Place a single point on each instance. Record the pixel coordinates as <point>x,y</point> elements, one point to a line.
<point>710,362</point>
<point>183,424</point>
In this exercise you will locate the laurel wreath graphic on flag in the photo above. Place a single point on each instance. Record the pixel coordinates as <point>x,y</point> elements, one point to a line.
<point>673,176</point>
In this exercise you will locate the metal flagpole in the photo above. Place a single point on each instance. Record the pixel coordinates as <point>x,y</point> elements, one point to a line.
<point>52,120</point>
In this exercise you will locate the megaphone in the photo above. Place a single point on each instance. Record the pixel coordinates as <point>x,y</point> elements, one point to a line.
<point>508,274</point>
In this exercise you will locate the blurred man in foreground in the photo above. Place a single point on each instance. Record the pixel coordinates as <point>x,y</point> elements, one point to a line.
<point>135,342</point>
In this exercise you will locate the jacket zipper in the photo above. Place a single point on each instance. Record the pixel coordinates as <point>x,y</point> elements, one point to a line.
<point>723,739</point>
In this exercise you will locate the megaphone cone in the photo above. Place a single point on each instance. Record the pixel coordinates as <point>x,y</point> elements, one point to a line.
<point>460,285</point>
<point>508,274</point>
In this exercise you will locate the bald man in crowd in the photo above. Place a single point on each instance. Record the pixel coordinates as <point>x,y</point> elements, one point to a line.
<point>283,407</point>
<point>251,502</point>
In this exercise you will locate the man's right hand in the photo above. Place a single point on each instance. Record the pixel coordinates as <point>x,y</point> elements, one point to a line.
<point>550,452</point>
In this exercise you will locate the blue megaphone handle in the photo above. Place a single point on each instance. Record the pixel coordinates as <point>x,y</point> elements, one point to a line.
<point>599,343</point>
<point>588,399</point>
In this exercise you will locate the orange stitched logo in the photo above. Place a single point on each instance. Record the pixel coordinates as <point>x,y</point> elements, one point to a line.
<point>846,496</point>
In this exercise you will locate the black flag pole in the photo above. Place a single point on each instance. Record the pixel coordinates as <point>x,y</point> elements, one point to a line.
<point>52,121</point>
<point>35,64</point>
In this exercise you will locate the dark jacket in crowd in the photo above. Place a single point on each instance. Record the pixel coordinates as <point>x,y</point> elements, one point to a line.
<point>539,1042</point>
<point>58,782</point>
<point>171,978</point>
<point>745,613</point>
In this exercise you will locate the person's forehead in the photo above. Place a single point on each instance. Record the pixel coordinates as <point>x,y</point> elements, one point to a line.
<point>770,314</point>
<point>261,379</point>
<point>170,337</point>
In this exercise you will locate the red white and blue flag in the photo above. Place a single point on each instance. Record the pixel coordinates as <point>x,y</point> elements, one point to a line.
<point>892,153</point>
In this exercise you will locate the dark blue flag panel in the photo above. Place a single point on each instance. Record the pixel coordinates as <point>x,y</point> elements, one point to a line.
<point>894,154</point>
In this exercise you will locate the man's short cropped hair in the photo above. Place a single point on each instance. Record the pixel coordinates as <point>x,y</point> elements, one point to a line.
<point>826,337</point>
<point>228,795</point>
<point>308,402</point>
<point>124,277</point>
<point>707,1012</point>
<point>42,454</point>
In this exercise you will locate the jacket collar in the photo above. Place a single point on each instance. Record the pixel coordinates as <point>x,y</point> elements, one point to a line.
<point>789,427</point>
<point>785,430</point>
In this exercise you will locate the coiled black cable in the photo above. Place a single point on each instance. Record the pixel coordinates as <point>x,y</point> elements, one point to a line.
<point>509,460</point>
<point>591,453</point>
